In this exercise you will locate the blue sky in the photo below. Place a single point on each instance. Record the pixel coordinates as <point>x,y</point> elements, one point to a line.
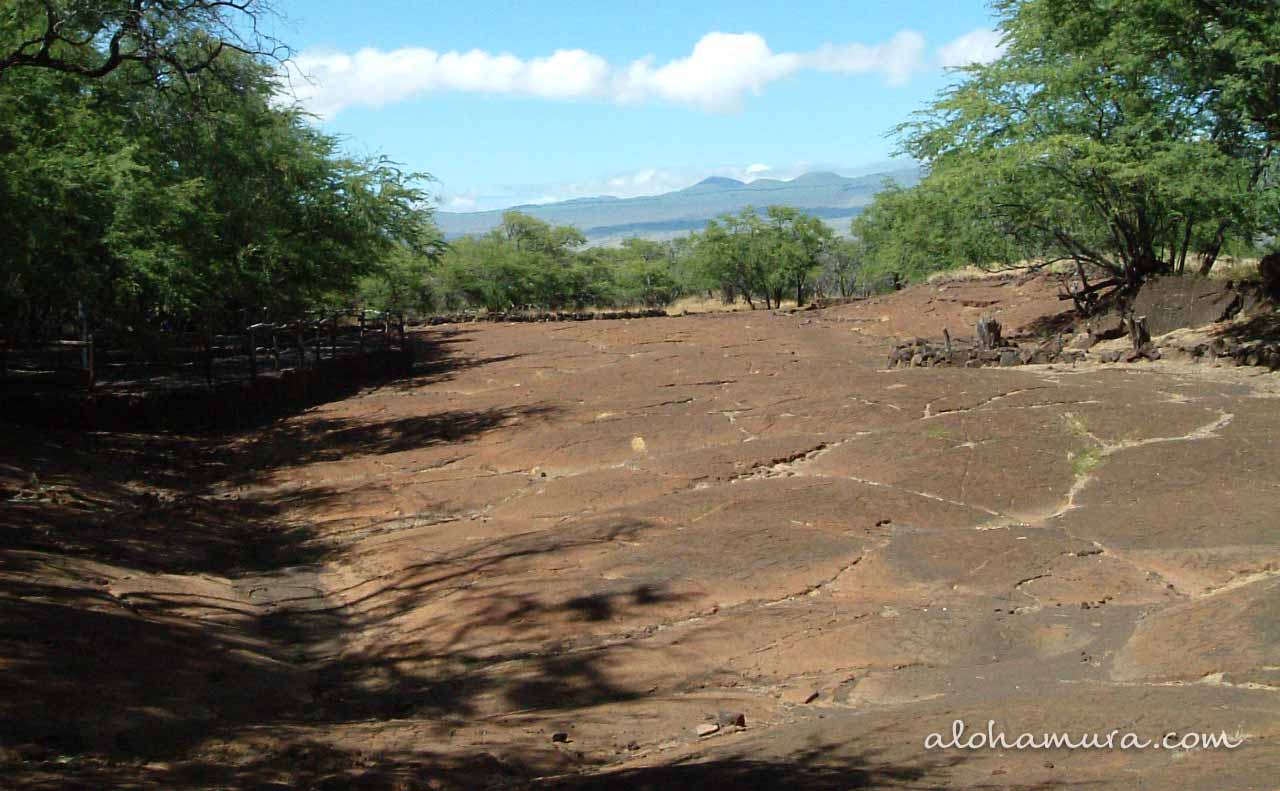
<point>508,102</point>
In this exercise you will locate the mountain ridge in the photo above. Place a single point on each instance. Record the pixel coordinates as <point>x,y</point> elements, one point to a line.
<point>826,194</point>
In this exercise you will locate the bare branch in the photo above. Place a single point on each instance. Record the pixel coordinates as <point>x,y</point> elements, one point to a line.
<point>182,37</point>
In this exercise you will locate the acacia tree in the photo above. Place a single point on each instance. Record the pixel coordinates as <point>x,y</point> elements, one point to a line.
<point>841,262</point>
<point>1133,137</point>
<point>796,241</point>
<point>762,257</point>
<point>732,251</point>
<point>92,38</point>
<point>202,206</point>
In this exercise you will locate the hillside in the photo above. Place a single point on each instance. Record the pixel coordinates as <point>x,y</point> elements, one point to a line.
<point>833,197</point>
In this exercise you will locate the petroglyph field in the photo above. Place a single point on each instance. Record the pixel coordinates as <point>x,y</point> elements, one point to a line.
<point>726,550</point>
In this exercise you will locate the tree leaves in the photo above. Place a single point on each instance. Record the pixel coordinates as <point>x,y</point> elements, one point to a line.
<point>207,206</point>
<point>1131,136</point>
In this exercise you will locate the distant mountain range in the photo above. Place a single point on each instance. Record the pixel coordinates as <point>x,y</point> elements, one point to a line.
<point>605,220</point>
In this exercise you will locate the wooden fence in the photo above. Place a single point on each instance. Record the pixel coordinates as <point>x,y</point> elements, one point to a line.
<point>185,358</point>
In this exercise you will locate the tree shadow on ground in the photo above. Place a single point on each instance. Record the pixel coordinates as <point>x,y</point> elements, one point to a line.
<point>315,765</point>
<point>1049,326</point>
<point>831,766</point>
<point>189,405</point>
<point>335,439</point>
<point>156,632</point>
<point>141,595</point>
<point>490,642</point>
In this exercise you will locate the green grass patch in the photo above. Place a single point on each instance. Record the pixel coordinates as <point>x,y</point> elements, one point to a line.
<point>1089,458</point>
<point>1086,461</point>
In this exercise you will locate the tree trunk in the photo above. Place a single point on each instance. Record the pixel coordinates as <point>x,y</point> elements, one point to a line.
<point>1139,335</point>
<point>988,332</point>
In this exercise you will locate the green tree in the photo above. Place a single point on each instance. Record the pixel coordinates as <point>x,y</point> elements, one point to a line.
<point>204,205</point>
<point>170,40</point>
<point>796,242</point>
<point>1128,136</point>
<point>842,262</point>
<point>733,253</point>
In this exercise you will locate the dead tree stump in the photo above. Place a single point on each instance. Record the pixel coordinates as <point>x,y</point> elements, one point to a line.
<point>988,334</point>
<point>1139,335</point>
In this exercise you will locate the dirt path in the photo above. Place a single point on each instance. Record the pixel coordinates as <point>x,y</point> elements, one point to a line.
<point>560,549</point>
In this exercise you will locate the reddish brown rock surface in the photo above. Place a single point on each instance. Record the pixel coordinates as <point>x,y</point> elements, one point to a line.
<point>613,532</point>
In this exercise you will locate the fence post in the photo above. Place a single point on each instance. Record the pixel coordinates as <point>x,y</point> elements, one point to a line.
<point>333,337</point>
<point>317,343</point>
<point>297,341</point>
<point>253,354</point>
<point>362,333</point>
<point>84,334</point>
<point>208,360</point>
<point>89,363</point>
<point>275,346</point>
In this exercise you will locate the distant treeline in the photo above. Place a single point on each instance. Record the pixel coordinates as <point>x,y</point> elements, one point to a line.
<point>759,257</point>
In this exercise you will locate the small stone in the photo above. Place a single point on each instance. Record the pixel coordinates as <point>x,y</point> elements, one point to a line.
<point>707,728</point>
<point>732,719</point>
<point>560,736</point>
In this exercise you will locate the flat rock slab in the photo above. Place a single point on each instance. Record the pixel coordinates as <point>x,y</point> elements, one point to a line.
<point>616,531</point>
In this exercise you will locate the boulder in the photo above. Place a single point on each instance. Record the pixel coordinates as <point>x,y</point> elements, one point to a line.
<point>1081,341</point>
<point>1171,303</point>
<point>1269,269</point>
<point>1105,328</point>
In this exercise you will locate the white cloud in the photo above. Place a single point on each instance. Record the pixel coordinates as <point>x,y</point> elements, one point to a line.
<point>977,46</point>
<point>757,169</point>
<point>721,71</point>
<point>898,59</point>
<point>460,203</point>
<point>330,83</point>
<point>722,68</point>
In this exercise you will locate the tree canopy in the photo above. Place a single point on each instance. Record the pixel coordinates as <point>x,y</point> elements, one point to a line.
<point>206,204</point>
<point>92,38</point>
<point>1135,137</point>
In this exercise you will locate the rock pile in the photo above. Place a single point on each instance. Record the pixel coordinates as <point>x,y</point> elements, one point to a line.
<point>1201,347</point>
<point>1212,345</point>
<point>919,352</point>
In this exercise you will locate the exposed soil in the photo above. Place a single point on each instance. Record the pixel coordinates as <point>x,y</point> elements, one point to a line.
<point>557,550</point>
